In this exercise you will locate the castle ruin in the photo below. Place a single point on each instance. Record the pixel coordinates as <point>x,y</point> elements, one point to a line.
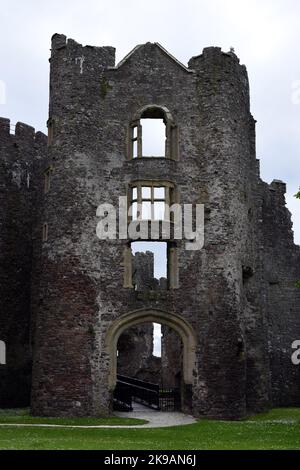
<point>67,297</point>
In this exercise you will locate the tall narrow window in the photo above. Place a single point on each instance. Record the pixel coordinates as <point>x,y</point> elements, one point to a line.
<point>47,180</point>
<point>2,353</point>
<point>157,335</point>
<point>135,140</point>
<point>50,125</point>
<point>45,233</point>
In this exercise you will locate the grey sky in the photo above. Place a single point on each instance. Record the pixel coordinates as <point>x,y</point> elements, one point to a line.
<point>265,35</point>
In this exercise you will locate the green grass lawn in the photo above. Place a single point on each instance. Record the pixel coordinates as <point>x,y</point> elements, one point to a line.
<point>277,429</point>
<point>22,416</point>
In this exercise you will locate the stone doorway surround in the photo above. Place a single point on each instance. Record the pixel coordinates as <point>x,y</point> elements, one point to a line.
<point>176,322</point>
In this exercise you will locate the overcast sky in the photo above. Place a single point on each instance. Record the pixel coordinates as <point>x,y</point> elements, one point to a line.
<point>265,35</point>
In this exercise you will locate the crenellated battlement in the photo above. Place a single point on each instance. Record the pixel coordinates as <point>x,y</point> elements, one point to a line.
<point>5,126</point>
<point>21,134</point>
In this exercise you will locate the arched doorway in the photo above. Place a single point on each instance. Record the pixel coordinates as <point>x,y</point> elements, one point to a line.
<point>174,322</point>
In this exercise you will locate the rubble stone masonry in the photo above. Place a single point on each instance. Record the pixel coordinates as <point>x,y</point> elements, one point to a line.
<point>234,302</point>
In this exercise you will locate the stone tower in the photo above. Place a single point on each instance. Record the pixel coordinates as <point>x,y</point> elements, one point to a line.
<point>236,320</point>
<point>22,153</point>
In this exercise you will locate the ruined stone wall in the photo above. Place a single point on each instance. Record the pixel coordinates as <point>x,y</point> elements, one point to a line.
<point>20,156</point>
<point>135,354</point>
<point>143,271</point>
<point>254,347</point>
<point>281,271</point>
<point>227,162</point>
<point>75,286</point>
<point>171,359</point>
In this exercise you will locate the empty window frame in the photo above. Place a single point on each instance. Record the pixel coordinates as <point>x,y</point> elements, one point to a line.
<point>47,180</point>
<point>153,137</point>
<point>45,232</point>
<point>136,140</point>
<point>50,125</point>
<point>150,260</point>
<point>2,353</point>
<point>148,200</point>
<point>153,134</point>
<point>151,266</point>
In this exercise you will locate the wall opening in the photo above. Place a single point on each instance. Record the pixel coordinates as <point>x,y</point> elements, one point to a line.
<point>153,138</point>
<point>150,265</point>
<point>157,335</point>
<point>247,274</point>
<point>47,180</point>
<point>149,367</point>
<point>45,232</point>
<point>170,324</point>
<point>2,353</point>
<point>50,125</point>
<point>153,133</point>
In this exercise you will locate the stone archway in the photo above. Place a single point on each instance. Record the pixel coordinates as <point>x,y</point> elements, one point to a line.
<point>176,322</point>
<point>154,110</point>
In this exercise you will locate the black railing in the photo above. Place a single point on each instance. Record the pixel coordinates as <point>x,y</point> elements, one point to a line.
<point>139,383</point>
<point>122,397</point>
<point>142,392</point>
<point>147,393</point>
<point>170,399</point>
